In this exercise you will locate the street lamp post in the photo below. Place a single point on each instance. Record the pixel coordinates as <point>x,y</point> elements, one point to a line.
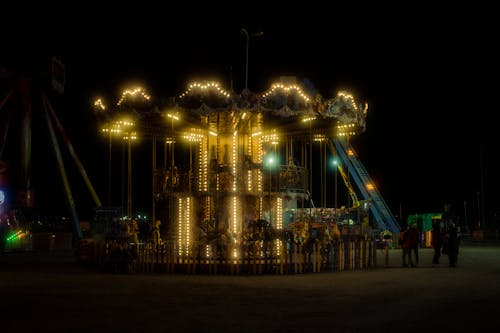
<point>129,178</point>
<point>130,136</point>
<point>110,129</point>
<point>247,35</point>
<point>173,117</point>
<point>109,167</point>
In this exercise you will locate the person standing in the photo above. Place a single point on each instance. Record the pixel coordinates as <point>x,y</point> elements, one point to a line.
<point>436,242</point>
<point>405,246</point>
<point>386,236</point>
<point>452,244</point>
<point>413,239</point>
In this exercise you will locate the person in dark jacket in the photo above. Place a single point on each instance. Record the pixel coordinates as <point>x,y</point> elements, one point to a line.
<point>413,239</point>
<point>404,242</point>
<point>451,244</point>
<point>436,242</point>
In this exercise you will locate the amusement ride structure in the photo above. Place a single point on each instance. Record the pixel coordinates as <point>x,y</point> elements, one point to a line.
<point>232,175</point>
<point>27,101</point>
<point>239,168</point>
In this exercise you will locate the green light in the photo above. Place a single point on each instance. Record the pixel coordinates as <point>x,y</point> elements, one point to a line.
<point>11,238</point>
<point>270,160</point>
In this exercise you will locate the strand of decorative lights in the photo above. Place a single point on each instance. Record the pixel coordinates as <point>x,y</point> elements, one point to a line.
<point>133,92</point>
<point>319,137</point>
<point>187,226</point>
<point>287,90</point>
<point>205,86</point>
<point>249,172</point>
<point>235,166</point>
<point>180,221</point>
<point>272,137</point>
<point>194,136</point>
<point>351,100</point>
<point>203,165</point>
<point>99,104</point>
<point>308,119</point>
<point>279,222</point>
<point>346,129</point>
<point>130,136</point>
<point>235,223</point>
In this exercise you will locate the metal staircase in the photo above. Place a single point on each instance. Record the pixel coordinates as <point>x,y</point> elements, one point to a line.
<point>383,217</point>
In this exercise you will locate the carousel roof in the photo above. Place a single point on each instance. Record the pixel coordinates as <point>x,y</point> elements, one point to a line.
<point>286,105</point>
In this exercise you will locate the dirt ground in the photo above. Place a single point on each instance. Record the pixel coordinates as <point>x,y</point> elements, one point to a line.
<point>51,293</point>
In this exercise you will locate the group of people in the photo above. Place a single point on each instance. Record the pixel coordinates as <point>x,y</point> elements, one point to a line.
<point>409,240</point>
<point>443,241</point>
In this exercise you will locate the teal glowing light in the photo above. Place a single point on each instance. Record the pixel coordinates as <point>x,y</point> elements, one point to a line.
<point>270,161</point>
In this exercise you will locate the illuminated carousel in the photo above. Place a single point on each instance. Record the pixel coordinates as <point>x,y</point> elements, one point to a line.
<point>233,180</point>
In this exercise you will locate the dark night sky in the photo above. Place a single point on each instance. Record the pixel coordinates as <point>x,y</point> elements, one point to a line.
<point>429,74</point>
